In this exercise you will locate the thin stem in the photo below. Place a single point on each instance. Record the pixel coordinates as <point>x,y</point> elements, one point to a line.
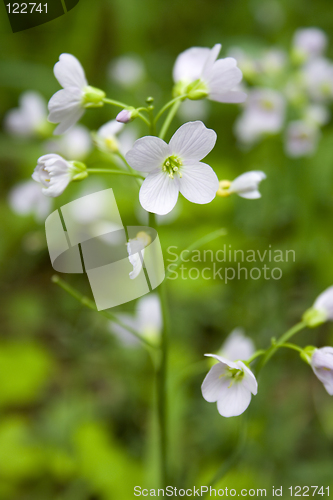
<point>162,399</point>
<point>167,106</point>
<point>129,168</point>
<point>169,118</point>
<point>144,119</point>
<point>91,305</point>
<point>197,244</point>
<point>111,171</point>
<point>291,346</point>
<point>282,340</point>
<point>255,356</point>
<point>115,103</point>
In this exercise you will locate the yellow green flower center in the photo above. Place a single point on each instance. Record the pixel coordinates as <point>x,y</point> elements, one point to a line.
<point>172,166</point>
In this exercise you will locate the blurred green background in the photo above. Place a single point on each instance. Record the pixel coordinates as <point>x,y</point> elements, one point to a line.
<point>76,417</point>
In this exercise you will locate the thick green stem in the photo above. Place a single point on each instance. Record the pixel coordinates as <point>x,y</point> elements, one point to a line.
<point>169,119</point>
<point>282,340</point>
<point>111,171</point>
<point>197,244</point>
<point>91,305</point>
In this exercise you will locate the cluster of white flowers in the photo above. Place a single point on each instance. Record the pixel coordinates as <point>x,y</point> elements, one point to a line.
<point>177,167</point>
<point>299,84</point>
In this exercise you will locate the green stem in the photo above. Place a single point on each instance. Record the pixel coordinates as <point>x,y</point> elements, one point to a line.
<point>167,106</point>
<point>115,103</point>
<point>111,171</point>
<point>255,355</point>
<point>169,119</point>
<point>291,346</point>
<point>282,340</point>
<point>197,244</point>
<point>144,119</point>
<point>162,399</point>
<point>91,305</point>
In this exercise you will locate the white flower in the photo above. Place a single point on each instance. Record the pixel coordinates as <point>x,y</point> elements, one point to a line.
<point>127,70</point>
<point>198,73</point>
<point>76,143</point>
<point>318,79</point>
<point>30,118</point>
<point>324,303</point>
<point>309,43</point>
<point>175,167</point>
<point>301,138</point>
<point>112,137</point>
<point>322,309</point>
<point>147,320</point>
<point>316,114</point>
<point>26,198</point>
<point>237,346</point>
<point>230,384</point>
<point>68,105</point>
<point>264,114</point>
<point>135,249</point>
<point>322,365</point>
<point>55,173</point>
<point>273,61</point>
<point>246,185</point>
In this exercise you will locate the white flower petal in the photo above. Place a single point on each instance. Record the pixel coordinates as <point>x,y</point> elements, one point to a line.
<point>214,382</point>
<point>324,302</point>
<point>199,183</point>
<point>159,193</point>
<point>69,72</point>
<point>322,365</point>
<point>192,141</point>
<point>147,154</point>
<point>189,64</point>
<point>237,346</point>
<point>223,76</point>
<point>65,108</point>
<point>149,314</point>
<point>249,381</point>
<point>246,185</point>
<point>232,96</point>
<point>213,55</point>
<point>233,400</point>
<point>110,129</point>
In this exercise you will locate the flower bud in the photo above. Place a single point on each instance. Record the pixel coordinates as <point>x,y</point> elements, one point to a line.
<point>127,115</point>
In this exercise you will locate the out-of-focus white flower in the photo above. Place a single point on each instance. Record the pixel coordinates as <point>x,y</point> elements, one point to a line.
<point>147,320</point>
<point>316,114</point>
<point>237,346</point>
<point>301,138</point>
<point>198,74</point>
<point>30,118</point>
<point>193,110</point>
<point>127,70</point>
<point>230,384</point>
<point>114,137</point>
<point>68,105</point>
<point>264,114</point>
<point>55,173</point>
<point>135,249</point>
<point>318,79</point>
<point>246,185</point>
<point>76,143</point>
<point>322,365</point>
<point>248,65</point>
<point>273,61</point>
<point>175,167</point>
<point>26,198</point>
<point>309,43</point>
<point>322,309</point>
